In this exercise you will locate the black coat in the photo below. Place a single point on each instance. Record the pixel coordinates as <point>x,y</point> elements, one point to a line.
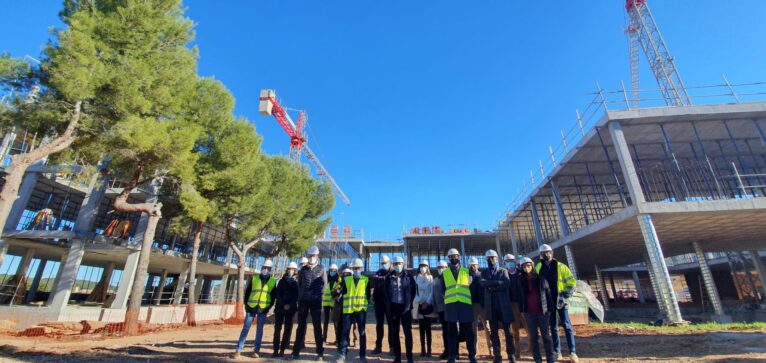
<point>495,288</point>
<point>514,290</point>
<point>286,293</point>
<point>378,283</point>
<point>408,285</point>
<point>546,297</point>
<point>311,283</point>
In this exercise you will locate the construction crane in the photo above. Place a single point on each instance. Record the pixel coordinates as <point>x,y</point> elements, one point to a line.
<point>644,33</point>
<point>269,106</point>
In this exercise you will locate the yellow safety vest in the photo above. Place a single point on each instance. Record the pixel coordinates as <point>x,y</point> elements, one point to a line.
<point>565,280</point>
<point>327,297</point>
<point>457,291</point>
<point>355,298</point>
<point>260,295</point>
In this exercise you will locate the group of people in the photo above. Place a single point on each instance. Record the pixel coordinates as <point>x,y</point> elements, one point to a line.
<point>507,295</point>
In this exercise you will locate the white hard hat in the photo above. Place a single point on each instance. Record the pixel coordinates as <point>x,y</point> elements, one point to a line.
<point>490,253</point>
<point>292,265</point>
<point>268,264</point>
<point>398,259</point>
<point>424,262</point>
<point>453,252</point>
<point>385,259</point>
<point>347,271</point>
<point>525,260</point>
<point>443,264</point>
<point>313,250</point>
<point>333,267</point>
<point>473,261</point>
<point>304,260</point>
<point>357,263</point>
<point>544,248</point>
<point>509,257</point>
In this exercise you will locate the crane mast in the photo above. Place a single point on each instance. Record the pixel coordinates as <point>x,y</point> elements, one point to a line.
<point>644,33</point>
<point>268,105</point>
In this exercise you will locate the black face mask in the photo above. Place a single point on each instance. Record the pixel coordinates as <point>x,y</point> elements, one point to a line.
<point>545,257</point>
<point>490,262</point>
<point>454,261</point>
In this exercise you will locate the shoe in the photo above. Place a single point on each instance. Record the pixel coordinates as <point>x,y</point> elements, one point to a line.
<point>397,360</point>
<point>275,355</point>
<point>423,354</point>
<point>473,360</point>
<point>320,358</point>
<point>513,359</point>
<point>341,359</point>
<point>574,358</point>
<point>451,360</point>
<point>376,351</point>
<point>255,355</point>
<point>443,356</point>
<point>236,355</point>
<point>410,360</point>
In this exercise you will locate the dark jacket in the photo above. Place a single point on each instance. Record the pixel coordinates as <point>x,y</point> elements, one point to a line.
<point>249,289</point>
<point>438,294</point>
<point>344,290</point>
<point>477,295</point>
<point>514,289</point>
<point>311,283</point>
<point>408,285</point>
<point>378,283</point>
<point>546,297</point>
<point>286,293</point>
<point>495,287</point>
<point>457,312</point>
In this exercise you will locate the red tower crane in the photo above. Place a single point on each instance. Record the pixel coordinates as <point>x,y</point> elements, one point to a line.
<point>269,105</point>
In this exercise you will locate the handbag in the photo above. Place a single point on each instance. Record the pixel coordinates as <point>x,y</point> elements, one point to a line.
<point>425,310</point>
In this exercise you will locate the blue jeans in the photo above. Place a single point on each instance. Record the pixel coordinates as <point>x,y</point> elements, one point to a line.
<point>261,319</point>
<point>537,326</point>
<point>360,317</point>
<point>562,318</point>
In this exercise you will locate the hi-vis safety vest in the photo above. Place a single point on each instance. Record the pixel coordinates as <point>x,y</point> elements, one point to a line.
<point>260,295</point>
<point>457,291</point>
<point>327,297</point>
<point>565,280</point>
<point>356,296</point>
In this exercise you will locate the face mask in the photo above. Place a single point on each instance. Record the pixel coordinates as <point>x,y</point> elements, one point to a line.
<point>491,262</point>
<point>398,268</point>
<point>454,261</point>
<point>313,260</point>
<point>333,273</point>
<point>386,266</point>
<point>357,273</point>
<point>545,257</point>
<point>423,270</point>
<point>265,272</point>
<point>511,265</point>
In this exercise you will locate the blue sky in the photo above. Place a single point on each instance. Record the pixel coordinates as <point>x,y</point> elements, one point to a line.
<point>433,113</point>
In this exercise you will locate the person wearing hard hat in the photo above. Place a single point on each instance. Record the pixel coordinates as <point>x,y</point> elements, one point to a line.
<point>379,300</point>
<point>259,291</point>
<point>514,292</point>
<point>302,262</point>
<point>537,305</point>
<point>438,294</point>
<point>423,308</point>
<point>497,305</point>
<point>327,303</point>
<point>479,318</point>
<point>458,309</point>
<point>286,297</point>
<point>355,291</point>
<point>562,283</point>
<point>400,292</point>
<point>312,280</point>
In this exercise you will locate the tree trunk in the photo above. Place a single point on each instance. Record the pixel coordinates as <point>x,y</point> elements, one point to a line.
<point>21,162</point>
<point>154,210</point>
<point>190,317</point>
<point>239,308</point>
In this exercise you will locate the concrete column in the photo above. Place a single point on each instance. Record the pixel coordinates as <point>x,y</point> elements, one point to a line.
<point>497,245</point>
<point>536,222</point>
<point>225,277</point>
<point>180,285</point>
<point>602,288</point>
<point>667,295</point>
<point>36,282</point>
<point>106,277</point>
<point>89,207</point>
<point>3,250</point>
<point>614,287</point>
<point>710,287</point>
<point>159,297</point>
<point>761,271</point>
<point>639,291</point>
<point>463,257</point>
<point>126,281</point>
<point>205,292</point>
<point>514,243</point>
<point>655,284</point>
<point>26,260</point>
<point>68,274</point>
<point>571,260</point>
<point>198,286</point>
<point>626,163</point>
<point>25,191</point>
<point>563,223</point>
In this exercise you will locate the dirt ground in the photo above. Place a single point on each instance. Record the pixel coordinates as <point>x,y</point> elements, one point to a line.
<point>216,343</point>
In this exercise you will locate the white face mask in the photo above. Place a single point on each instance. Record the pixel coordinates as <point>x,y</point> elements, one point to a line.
<point>386,266</point>
<point>441,271</point>
<point>313,260</point>
<point>423,269</point>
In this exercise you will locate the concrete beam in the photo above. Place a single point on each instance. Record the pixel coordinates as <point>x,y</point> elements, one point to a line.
<point>639,290</point>
<point>626,163</point>
<point>63,288</point>
<point>709,282</point>
<point>126,281</point>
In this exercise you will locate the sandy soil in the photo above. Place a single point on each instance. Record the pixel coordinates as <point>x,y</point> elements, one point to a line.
<point>216,343</point>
